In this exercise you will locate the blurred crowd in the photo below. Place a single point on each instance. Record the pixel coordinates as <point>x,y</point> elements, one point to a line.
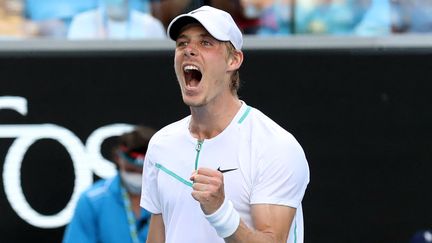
<point>132,19</point>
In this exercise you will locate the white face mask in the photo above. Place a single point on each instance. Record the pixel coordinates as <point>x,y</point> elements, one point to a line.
<point>132,182</point>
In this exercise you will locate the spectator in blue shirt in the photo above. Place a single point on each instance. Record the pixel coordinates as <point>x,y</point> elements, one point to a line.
<point>109,211</point>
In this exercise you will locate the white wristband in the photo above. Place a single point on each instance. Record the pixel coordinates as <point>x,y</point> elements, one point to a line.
<point>225,220</point>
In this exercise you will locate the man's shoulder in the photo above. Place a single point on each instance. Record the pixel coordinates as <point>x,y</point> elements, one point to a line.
<point>263,128</point>
<point>173,129</point>
<point>263,123</point>
<point>99,189</point>
<point>98,198</point>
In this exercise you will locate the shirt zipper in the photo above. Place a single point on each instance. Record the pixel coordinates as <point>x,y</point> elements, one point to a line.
<point>198,150</point>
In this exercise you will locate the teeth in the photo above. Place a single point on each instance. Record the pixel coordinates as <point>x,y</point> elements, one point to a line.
<point>190,67</point>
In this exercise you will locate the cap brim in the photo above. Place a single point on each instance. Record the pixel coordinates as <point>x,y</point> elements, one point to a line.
<point>178,23</point>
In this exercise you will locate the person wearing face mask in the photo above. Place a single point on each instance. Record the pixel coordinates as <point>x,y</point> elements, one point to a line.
<point>115,19</point>
<point>109,211</point>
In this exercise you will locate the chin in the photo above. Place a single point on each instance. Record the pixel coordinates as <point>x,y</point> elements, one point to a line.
<point>193,102</point>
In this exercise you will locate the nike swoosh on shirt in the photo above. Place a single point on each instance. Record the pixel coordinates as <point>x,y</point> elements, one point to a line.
<point>227,170</point>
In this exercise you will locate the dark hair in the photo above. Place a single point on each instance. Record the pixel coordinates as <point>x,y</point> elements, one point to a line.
<point>132,145</point>
<point>136,140</point>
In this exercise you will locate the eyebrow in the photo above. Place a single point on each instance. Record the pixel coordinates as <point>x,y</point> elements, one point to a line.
<point>206,34</point>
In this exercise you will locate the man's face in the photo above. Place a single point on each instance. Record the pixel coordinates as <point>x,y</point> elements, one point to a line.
<point>128,167</point>
<point>202,66</point>
<point>131,175</point>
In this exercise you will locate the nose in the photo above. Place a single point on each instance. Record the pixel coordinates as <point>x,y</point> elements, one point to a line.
<point>190,51</point>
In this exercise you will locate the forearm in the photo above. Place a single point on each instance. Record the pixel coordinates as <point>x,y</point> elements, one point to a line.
<point>271,224</point>
<point>244,234</point>
<point>156,232</point>
<point>268,228</point>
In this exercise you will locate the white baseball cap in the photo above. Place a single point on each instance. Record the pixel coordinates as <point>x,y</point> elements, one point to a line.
<point>217,22</point>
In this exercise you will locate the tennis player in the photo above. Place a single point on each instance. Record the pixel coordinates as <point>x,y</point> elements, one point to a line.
<point>227,172</point>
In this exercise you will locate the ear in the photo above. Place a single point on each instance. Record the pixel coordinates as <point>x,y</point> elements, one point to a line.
<point>235,60</point>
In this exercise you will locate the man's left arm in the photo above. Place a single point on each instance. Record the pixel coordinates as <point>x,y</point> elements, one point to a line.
<point>277,194</point>
<point>272,224</point>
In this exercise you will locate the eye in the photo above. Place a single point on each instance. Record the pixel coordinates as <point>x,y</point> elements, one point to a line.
<point>181,43</point>
<point>206,43</point>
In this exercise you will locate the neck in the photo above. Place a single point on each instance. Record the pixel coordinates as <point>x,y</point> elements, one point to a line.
<point>210,120</point>
<point>135,200</point>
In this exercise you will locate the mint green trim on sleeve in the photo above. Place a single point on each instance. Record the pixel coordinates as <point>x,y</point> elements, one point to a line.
<point>245,114</point>
<point>164,169</point>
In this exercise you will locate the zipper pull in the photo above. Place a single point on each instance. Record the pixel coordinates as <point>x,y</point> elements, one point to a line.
<point>198,146</point>
<point>198,149</point>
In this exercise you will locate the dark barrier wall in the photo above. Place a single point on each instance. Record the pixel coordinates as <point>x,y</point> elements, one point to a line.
<point>363,117</point>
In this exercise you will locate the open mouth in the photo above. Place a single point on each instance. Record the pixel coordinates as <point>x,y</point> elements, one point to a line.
<point>192,75</point>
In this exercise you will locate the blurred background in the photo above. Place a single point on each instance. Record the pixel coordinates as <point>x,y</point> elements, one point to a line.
<point>351,79</point>
<point>54,18</point>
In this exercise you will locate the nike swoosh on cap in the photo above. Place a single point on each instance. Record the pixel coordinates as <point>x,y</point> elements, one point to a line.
<point>227,170</point>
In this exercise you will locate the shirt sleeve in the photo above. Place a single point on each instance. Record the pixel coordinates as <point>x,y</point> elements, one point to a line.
<point>149,194</point>
<point>82,227</point>
<point>283,174</point>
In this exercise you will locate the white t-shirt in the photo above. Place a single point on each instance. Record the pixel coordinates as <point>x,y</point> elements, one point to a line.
<point>271,169</point>
<point>90,25</point>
